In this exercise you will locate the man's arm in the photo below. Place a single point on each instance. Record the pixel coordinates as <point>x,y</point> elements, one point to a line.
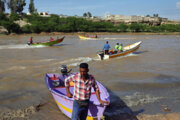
<point>67,85</point>
<point>69,94</point>
<point>96,88</point>
<point>102,102</point>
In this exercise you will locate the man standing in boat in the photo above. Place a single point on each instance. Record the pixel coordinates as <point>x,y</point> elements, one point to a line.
<point>83,82</point>
<point>106,48</point>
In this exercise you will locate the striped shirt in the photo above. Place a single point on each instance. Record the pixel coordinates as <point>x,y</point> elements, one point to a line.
<point>82,90</point>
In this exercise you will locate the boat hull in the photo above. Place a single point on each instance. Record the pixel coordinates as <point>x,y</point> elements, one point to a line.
<point>65,104</point>
<point>48,43</point>
<point>126,50</point>
<point>86,38</point>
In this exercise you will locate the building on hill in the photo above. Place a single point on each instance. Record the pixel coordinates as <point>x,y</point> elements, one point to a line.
<point>44,14</point>
<point>116,19</point>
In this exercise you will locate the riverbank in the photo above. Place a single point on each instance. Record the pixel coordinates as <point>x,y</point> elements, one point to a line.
<point>93,33</point>
<point>110,33</point>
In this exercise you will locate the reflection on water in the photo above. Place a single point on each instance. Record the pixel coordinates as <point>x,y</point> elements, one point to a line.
<point>148,76</point>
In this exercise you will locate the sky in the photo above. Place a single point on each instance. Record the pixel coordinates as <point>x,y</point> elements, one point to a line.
<point>164,8</point>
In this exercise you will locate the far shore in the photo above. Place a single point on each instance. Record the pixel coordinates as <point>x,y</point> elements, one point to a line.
<point>92,33</point>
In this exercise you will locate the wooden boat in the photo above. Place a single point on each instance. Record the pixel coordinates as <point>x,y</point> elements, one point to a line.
<point>55,83</point>
<point>87,38</point>
<point>47,43</point>
<point>126,50</point>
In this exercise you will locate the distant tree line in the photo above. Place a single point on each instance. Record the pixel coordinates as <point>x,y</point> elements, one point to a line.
<point>54,23</point>
<point>72,24</point>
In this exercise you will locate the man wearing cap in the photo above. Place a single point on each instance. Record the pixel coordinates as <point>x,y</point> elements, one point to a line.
<point>83,82</point>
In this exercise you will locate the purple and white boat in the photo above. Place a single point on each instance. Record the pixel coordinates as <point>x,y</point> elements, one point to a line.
<point>55,84</point>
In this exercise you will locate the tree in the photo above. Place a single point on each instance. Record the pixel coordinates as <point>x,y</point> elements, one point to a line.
<point>11,26</point>
<point>122,27</point>
<point>16,6</point>
<point>14,17</point>
<point>155,15</point>
<point>12,6</point>
<point>135,27</point>
<point>3,17</point>
<point>31,7</point>
<point>89,15</point>
<point>2,6</point>
<point>21,4</point>
<point>85,15</point>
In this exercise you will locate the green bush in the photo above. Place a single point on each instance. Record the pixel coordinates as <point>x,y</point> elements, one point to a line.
<point>26,29</point>
<point>3,17</point>
<point>14,17</point>
<point>11,27</point>
<point>121,28</point>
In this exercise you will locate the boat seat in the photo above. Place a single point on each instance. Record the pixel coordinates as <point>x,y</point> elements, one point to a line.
<point>56,82</point>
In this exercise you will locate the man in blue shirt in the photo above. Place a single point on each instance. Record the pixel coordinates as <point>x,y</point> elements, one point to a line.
<point>106,48</point>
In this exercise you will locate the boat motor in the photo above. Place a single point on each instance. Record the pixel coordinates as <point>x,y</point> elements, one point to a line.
<point>64,70</point>
<point>29,43</point>
<point>101,54</point>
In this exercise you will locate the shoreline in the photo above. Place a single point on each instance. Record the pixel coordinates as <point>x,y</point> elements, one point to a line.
<point>91,33</point>
<point>41,111</point>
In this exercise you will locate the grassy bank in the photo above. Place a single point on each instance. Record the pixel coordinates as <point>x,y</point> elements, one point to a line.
<point>90,33</point>
<point>38,24</point>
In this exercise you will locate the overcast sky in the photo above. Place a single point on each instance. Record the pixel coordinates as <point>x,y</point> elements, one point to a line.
<point>165,8</point>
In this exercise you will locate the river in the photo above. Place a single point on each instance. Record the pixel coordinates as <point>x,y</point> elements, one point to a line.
<point>145,81</point>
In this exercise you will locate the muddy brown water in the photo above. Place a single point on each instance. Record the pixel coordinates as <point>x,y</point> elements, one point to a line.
<point>144,81</point>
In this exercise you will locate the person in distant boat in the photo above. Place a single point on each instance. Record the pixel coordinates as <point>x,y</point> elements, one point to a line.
<point>96,36</point>
<point>31,40</point>
<point>51,39</point>
<point>116,48</point>
<point>106,48</point>
<point>120,48</point>
<point>83,83</point>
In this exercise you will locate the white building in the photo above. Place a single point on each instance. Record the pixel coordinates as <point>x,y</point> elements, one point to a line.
<point>44,14</point>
